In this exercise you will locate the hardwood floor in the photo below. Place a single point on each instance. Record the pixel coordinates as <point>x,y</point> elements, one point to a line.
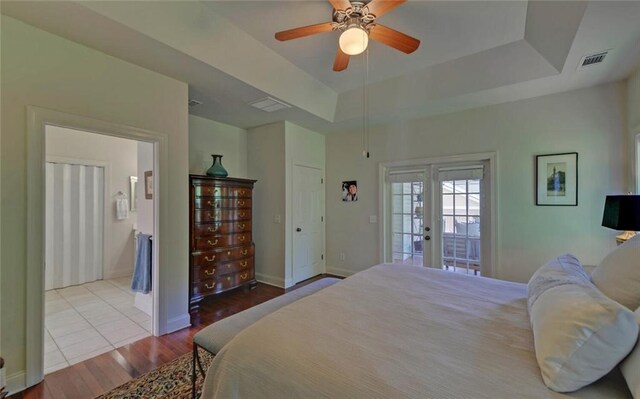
<point>107,371</point>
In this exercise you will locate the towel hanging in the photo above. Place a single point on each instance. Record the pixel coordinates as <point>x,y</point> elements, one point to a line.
<point>122,206</point>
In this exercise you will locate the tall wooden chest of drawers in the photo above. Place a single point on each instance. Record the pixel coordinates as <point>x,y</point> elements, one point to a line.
<point>221,246</point>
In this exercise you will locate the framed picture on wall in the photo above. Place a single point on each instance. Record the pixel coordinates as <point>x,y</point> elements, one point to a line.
<point>557,179</point>
<point>349,190</point>
<point>148,184</point>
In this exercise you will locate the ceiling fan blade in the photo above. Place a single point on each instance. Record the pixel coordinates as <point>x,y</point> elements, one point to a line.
<point>381,7</point>
<point>342,61</point>
<point>304,31</point>
<point>393,38</point>
<point>340,4</point>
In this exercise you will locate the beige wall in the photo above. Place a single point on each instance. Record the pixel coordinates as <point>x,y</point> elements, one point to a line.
<point>47,71</point>
<point>633,115</point>
<point>122,157</point>
<point>589,121</point>
<point>266,155</point>
<point>208,137</point>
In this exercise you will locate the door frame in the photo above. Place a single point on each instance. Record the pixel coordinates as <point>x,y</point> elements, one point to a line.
<point>107,189</point>
<point>489,270</point>
<point>289,228</point>
<point>37,120</point>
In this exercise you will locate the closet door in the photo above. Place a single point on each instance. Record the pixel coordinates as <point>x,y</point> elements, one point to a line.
<point>74,224</point>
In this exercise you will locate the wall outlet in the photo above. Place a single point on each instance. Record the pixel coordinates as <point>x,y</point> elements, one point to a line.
<point>373,219</point>
<point>277,219</point>
<point>343,257</point>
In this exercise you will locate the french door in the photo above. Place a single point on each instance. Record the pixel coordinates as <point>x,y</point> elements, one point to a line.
<point>410,217</point>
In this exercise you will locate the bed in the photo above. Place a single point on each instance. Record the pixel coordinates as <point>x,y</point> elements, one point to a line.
<point>394,331</point>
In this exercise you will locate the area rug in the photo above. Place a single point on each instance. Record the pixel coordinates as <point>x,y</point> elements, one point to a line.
<point>172,380</point>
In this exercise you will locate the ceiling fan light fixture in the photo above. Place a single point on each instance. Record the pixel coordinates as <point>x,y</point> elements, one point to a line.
<point>354,40</point>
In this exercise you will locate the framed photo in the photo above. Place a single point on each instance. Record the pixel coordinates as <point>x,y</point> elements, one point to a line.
<point>557,179</point>
<point>350,190</point>
<point>148,184</point>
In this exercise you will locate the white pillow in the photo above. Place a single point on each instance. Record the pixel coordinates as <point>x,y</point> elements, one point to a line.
<point>580,335</point>
<point>618,275</point>
<point>565,269</point>
<point>631,367</point>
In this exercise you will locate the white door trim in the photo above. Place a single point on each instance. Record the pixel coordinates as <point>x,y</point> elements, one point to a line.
<point>636,167</point>
<point>37,119</point>
<point>289,272</point>
<point>489,270</point>
<point>107,189</point>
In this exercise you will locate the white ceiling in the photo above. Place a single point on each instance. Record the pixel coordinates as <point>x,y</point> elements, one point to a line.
<point>472,54</point>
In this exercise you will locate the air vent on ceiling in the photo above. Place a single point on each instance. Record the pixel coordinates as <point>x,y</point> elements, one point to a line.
<point>194,103</point>
<point>592,59</point>
<point>269,104</point>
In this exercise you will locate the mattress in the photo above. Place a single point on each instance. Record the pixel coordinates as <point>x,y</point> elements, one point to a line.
<point>394,331</point>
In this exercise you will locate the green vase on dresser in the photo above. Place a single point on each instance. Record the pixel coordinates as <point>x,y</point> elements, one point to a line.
<point>217,170</point>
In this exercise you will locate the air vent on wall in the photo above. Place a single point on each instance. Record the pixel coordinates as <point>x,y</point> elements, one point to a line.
<point>592,59</point>
<point>194,103</point>
<point>269,104</point>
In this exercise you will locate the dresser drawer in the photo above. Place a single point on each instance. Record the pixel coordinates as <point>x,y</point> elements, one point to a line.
<point>220,269</point>
<point>222,203</point>
<point>205,190</point>
<point>219,215</point>
<point>222,283</point>
<point>212,258</point>
<point>204,230</point>
<point>239,192</point>
<point>221,241</point>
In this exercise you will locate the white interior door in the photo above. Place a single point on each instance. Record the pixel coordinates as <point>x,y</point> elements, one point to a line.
<point>74,224</point>
<point>307,222</point>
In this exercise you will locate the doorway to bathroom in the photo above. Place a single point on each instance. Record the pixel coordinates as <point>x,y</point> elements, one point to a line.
<point>98,234</point>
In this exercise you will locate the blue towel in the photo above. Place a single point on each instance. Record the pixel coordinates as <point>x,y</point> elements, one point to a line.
<point>141,279</point>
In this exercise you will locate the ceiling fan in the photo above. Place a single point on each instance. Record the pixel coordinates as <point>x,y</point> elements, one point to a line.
<point>356,20</point>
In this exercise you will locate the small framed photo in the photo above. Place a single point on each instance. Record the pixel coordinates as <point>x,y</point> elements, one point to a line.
<point>350,190</point>
<point>148,184</point>
<point>557,179</point>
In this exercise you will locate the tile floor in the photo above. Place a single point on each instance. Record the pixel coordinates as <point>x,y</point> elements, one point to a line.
<point>84,321</point>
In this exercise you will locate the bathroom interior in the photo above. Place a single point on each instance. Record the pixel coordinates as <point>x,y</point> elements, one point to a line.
<point>98,234</point>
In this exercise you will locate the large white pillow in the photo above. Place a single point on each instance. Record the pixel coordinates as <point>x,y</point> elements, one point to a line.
<point>631,367</point>
<point>565,269</point>
<point>618,275</point>
<point>580,335</point>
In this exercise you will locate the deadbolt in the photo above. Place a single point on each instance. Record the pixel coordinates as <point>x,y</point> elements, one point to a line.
<point>427,228</point>
<point>427,238</point>
<point>298,229</point>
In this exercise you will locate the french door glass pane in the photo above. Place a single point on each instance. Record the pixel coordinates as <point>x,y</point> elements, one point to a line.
<point>461,226</point>
<point>407,222</point>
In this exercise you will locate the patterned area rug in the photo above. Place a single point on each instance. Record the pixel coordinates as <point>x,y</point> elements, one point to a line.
<point>172,380</point>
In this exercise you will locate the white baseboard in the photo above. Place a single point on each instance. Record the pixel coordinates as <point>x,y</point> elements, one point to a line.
<point>271,280</point>
<point>177,323</point>
<point>340,272</point>
<point>16,382</point>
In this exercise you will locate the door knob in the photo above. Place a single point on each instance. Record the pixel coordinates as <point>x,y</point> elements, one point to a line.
<point>298,229</point>
<point>427,238</point>
<point>427,228</point>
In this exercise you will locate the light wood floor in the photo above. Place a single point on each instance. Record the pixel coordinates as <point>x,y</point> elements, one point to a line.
<point>109,370</point>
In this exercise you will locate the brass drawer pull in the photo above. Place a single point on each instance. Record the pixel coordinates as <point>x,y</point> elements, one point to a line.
<point>241,192</point>
<point>212,243</point>
<point>241,226</point>
<point>242,214</point>
<point>213,257</point>
<point>212,229</point>
<point>240,202</point>
<point>244,264</point>
<point>210,273</point>
<point>207,286</point>
<point>211,215</point>
<point>228,278</point>
<point>215,204</point>
<point>246,251</point>
<point>241,238</point>
<point>244,276</point>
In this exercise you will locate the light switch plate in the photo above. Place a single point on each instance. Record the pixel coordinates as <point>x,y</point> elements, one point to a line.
<point>373,219</point>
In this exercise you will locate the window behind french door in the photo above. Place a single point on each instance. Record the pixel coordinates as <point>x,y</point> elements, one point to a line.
<point>460,190</point>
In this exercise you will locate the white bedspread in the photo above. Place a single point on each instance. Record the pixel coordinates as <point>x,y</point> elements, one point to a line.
<point>393,331</point>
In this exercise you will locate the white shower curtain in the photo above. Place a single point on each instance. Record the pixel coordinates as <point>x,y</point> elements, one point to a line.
<point>74,224</point>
